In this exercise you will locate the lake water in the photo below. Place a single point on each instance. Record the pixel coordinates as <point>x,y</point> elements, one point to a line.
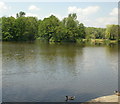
<point>42,72</point>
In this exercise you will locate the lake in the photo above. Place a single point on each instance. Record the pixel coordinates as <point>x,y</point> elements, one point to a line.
<point>42,72</point>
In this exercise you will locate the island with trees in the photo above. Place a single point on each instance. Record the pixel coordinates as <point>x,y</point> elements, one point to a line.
<point>51,29</point>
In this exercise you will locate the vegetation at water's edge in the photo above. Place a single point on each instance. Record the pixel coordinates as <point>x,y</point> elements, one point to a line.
<point>52,29</point>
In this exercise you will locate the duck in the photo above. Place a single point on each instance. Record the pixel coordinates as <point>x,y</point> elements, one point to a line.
<point>117,93</point>
<point>70,98</point>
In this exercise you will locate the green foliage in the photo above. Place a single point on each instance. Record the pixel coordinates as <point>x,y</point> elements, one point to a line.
<point>20,14</point>
<point>19,29</point>
<point>0,29</point>
<point>48,28</point>
<point>95,33</point>
<point>73,29</point>
<point>51,29</point>
<point>8,30</point>
<point>112,32</point>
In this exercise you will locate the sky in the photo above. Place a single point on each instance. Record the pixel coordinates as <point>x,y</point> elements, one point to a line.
<point>92,14</point>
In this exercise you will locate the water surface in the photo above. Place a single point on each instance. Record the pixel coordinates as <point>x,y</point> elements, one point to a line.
<point>42,72</point>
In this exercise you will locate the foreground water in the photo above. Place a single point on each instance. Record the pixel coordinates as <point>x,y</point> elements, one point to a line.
<point>41,72</point>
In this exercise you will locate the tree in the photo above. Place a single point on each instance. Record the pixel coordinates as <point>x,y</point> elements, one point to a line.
<point>81,31</point>
<point>112,32</point>
<point>20,14</point>
<point>69,29</point>
<point>71,25</point>
<point>31,28</point>
<point>52,29</point>
<point>0,29</point>
<point>26,28</point>
<point>8,29</point>
<point>95,33</point>
<point>48,27</point>
<point>20,25</point>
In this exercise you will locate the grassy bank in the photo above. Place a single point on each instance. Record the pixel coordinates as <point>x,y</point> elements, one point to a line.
<point>97,41</point>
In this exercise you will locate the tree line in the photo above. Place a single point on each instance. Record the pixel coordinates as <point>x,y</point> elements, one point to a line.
<point>52,29</point>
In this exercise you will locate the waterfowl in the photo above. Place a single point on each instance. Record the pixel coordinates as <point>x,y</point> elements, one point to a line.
<point>70,98</point>
<point>117,93</point>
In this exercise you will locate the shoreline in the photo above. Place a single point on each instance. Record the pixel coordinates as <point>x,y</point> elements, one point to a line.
<point>108,98</point>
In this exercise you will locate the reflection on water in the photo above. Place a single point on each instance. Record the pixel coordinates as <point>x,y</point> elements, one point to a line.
<point>48,72</point>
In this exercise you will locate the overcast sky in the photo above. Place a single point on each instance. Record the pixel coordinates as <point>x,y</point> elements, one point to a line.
<point>97,14</point>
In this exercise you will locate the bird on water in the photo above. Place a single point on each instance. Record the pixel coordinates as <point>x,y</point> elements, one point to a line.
<point>69,98</point>
<point>117,93</point>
